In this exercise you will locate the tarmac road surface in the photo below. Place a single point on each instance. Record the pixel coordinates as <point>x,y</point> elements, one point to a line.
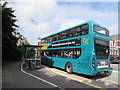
<point>13,77</point>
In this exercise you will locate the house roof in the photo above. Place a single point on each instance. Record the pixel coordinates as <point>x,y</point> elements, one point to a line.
<point>115,37</point>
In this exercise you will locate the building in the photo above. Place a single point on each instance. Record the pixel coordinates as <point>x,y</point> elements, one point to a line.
<point>115,44</point>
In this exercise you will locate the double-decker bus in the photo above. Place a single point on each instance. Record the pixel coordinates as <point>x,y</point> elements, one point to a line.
<point>82,49</point>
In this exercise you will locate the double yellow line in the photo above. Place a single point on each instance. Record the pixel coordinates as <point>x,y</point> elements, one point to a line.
<point>77,80</point>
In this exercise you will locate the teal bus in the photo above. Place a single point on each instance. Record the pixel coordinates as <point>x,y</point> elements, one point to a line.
<point>83,48</point>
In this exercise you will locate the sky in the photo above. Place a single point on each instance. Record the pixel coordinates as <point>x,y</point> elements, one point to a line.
<point>40,18</point>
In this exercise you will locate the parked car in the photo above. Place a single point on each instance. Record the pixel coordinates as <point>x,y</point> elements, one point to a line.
<point>118,58</point>
<point>114,59</point>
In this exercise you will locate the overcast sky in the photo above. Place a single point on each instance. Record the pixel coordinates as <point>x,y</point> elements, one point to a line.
<point>38,18</point>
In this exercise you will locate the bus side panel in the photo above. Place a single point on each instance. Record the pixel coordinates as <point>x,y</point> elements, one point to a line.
<point>48,60</point>
<point>84,64</point>
<point>85,60</point>
<point>54,61</point>
<point>60,62</point>
<point>74,63</point>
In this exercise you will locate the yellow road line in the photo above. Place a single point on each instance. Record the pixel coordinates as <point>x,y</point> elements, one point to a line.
<point>77,80</point>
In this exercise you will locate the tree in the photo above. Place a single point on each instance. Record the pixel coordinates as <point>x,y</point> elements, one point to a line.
<point>8,39</point>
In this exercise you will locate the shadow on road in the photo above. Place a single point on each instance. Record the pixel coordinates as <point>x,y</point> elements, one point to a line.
<point>87,76</point>
<point>94,77</point>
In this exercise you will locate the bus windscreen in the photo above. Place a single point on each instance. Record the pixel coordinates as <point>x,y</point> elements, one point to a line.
<point>101,30</point>
<point>101,49</point>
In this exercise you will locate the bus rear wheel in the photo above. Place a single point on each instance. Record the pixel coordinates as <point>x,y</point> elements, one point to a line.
<point>69,68</point>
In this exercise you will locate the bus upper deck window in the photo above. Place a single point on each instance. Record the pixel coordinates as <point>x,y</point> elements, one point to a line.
<point>78,29</point>
<point>84,27</point>
<point>101,30</point>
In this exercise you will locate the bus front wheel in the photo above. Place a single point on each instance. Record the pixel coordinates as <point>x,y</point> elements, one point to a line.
<point>69,68</point>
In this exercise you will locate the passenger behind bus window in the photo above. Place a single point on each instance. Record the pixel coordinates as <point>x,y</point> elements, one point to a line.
<point>71,55</point>
<point>46,54</point>
<point>65,55</point>
<point>76,56</point>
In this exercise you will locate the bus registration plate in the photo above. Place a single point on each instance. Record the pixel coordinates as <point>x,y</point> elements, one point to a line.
<point>102,64</point>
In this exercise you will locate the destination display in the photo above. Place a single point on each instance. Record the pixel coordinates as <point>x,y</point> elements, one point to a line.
<point>101,42</point>
<point>67,43</point>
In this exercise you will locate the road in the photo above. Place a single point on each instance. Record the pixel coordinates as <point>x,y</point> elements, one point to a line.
<point>115,67</point>
<point>49,77</point>
<point>13,77</point>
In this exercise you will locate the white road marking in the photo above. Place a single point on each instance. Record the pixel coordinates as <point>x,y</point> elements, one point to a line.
<point>115,71</point>
<point>54,85</point>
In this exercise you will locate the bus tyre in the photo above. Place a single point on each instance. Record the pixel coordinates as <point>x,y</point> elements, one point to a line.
<point>69,68</point>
